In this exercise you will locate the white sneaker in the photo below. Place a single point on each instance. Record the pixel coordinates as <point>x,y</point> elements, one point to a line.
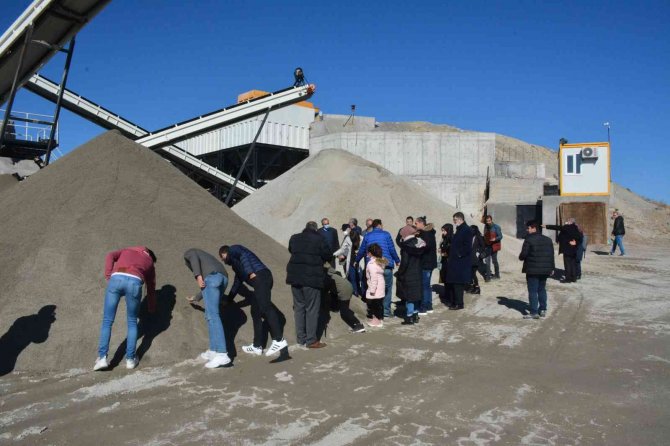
<point>423,313</point>
<point>208,355</point>
<point>252,350</point>
<point>430,311</point>
<point>100,364</point>
<point>218,360</point>
<point>131,363</point>
<point>276,346</point>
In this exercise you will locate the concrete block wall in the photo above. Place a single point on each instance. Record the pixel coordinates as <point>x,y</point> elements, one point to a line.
<point>513,169</point>
<point>515,190</point>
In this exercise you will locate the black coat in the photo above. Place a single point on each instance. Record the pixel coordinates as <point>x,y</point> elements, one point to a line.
<point>565,235</point>
<point>429,256</point>
<point>409,281</point>
<point>478,249</point>
<point>618,228</point>
<point>459,267</point>
<point>330,234</point>
<point>308,251</point>
<point>537,254</point>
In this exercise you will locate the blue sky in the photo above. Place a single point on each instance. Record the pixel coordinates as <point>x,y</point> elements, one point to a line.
<point>537,71</point>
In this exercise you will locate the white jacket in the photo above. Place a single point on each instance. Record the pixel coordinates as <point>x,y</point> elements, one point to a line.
<point>345,250</point>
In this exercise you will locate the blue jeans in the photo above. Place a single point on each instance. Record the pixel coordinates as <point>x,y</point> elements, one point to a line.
<point>427,300</point>
<point>131,288</point>
<point>352,275</point>
<point>618,241</point>
<point>537,293</point>
<point>215,285</point>
<point>410,308</point>
<point>388,291</point>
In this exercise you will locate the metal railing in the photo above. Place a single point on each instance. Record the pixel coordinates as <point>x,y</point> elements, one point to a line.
<point>25,126</point>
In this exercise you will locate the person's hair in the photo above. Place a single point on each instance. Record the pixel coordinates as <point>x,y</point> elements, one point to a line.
<point>571,221</point>
<point>152,255</point>
<point>353,221</point>
<point>325,219</point>
<point>409,217</point>
<point>459,215</point>
<point>224,250</point>
<point>375,250</point>
<point>312,226</point>
<point>376,223</point>
<point>486,217</point>
<point>532,224</point>
<point>421,219</point>
<point>449,228</point>
<point>368,220</point>
<point>475,229</point>
<point>345,226</point>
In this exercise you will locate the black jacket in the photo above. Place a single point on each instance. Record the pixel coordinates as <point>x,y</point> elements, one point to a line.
<point>459,268</point>
<point>537,254</point>
<point>331,237</point>
<point>618,228</point>
<point>478,249</point>
<point>429,256</point>
<point>309,251</point>
<point>565,235</point>
<point>409,283</point>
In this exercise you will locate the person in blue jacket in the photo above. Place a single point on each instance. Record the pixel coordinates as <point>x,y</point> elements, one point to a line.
<point>459,264</point>
<point>249,269</point>
<point>385,241</point>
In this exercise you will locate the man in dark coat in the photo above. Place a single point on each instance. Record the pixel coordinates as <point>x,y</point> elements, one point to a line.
<point>618,231</point>
<point>250,270</point>
<point>428,234</point>
<point>537,254</point>
<point>409,283</point>
<point>569,239</point>
<point>459,268</point>
<point>332,239</point>
<point>306,275</point>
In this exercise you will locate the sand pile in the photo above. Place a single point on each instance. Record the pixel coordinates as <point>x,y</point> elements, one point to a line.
<point>110,193</point>
<point>338,185</point>
<point>7,181</point>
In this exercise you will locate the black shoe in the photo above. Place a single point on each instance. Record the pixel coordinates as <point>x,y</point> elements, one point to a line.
<point>407,320</point>
<point>477,291</point>
<point>415,318</point>
<point>456,307</point>
<point>358,328</point>
<point>496,277</point>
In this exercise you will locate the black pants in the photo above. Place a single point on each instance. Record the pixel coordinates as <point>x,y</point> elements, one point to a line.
<point>376,308</point>
<point>443,271</point>
<point>475,281</point>
<point>458,293</point>
<point>347,315</point>
<point>449,294</point>
<point>570,264</point>
<point>263,308</point>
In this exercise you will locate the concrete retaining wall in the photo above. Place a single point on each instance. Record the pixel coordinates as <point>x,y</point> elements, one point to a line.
<point>452,166</point>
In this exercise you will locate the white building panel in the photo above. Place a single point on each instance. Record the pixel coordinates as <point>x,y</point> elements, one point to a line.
<point>286,127</point>
<point>583,173</point>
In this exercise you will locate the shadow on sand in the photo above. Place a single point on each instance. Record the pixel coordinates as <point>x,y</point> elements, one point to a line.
<point>26,330</point>
<point>150,325</point>
<point>514,304</point>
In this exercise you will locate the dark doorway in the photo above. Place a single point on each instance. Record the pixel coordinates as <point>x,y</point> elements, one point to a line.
<point>525,213</point>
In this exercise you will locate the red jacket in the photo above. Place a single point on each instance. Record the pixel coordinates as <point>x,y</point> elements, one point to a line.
<point>136,261</point>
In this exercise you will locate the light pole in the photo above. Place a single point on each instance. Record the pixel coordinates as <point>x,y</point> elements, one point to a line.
<point>607,124</point>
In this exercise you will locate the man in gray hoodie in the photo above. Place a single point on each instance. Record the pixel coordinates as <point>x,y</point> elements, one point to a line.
<point>212,279</point>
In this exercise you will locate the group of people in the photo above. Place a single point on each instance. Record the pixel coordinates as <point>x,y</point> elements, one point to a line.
<point>369,262</point>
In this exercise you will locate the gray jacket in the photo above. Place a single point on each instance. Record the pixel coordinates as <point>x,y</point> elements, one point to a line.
<point>203,264</point>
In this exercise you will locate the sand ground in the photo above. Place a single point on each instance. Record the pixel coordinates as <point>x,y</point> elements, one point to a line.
<point>595,371</point>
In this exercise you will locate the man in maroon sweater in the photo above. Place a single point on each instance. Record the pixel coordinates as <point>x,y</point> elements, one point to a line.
<point>126,270</point>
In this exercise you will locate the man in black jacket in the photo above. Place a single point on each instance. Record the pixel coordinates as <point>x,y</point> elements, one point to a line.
<point>569,239</point>
<point>306,275</point>
<point>537,254</point>
<point>330,235</point>
<point>428,262</point>
<point>618,231</point>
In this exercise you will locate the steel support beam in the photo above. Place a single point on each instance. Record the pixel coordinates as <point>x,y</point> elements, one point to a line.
<point>246,159</point>
<point>61,91</point>
<point>15,83</point>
